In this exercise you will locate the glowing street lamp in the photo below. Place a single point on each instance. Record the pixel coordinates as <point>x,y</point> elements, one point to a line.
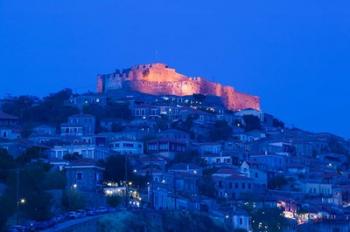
<point>22,201</point>
<point>75,186</point>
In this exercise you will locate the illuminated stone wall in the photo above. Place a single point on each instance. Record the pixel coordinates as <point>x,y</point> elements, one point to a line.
<point>159,79</point>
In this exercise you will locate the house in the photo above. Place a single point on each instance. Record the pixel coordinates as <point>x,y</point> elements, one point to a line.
<point>236,219</point>
<point>204,118</point>
<point>79,125</point>
<point>216,159</point>
<point>172,112</point>
<point>270,162</point>
<point>186,168</point>
<point>208,148</point>
<point>175,190</point>
<point>255,135</point>
<point>280,147</point>
<point>10,133</point>
<point>127,147</point>
<point>297,168</point>
<point>110,123</point>
<point>235,148</point>
<point>174,134</point>
<point>259,177</point>
<point>241,221</point>
<point>200,132</point>
<point>44,130</point>
<point>165,147</point>
<point>9,129</point>
<point>84,175</point>
<point>87,151</point>
<point>250,112</point>
<point>145,111</point>
<point>231,184</point>
<point>8,120</point>
<point>15,147</point>
<point>80,101</point>
<point>316,188</point>
<point>148,164</point>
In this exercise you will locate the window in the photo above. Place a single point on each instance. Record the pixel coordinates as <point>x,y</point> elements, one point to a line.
<point>236,185</point>
<point>240,221</point>
<point>243,185</point>
<point>230,185</point>
<point>79,176</point>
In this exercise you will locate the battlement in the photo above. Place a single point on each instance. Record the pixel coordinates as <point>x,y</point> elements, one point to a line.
<point>159,79</point>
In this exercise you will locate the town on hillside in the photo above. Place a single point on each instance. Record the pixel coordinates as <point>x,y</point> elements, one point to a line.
<point>165,162</point>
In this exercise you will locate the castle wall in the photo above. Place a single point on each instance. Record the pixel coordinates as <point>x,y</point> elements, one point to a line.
<point>158,79</point>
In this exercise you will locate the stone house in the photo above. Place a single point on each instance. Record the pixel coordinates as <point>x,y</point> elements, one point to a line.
<point>79,125</point>
<point>84,175</point>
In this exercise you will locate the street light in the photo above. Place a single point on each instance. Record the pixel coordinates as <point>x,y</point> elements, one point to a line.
<point>22,201</point>
<point>75,186</point>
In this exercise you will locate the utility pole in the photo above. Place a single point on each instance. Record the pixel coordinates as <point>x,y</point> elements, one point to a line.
<point>17,194</point>
<point>126,181</point>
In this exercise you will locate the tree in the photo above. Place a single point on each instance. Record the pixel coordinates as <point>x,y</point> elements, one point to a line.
<point>72,200</point>
<point>115,171</point>
<point>220,131</point>
<point>38,205</point>
<point>251,122</point>
<point>19,106</point>
<point>199,97</point>
<point>117,127</point>
<point>6,163</point>
<point>30,154</point>
<point>335,146</point>
<point>162,123</point>
<point>72,157</point>
<point>159,221</point>
<point>30,180</point>
<point>55,180</point>
<point>177,221</point>
<point>277,182</point>
<point>115,168</point>
<point>6,210</point>
<point>187,157</point>
<point>277,123</point>
<point>114,201</point>
<point>118,110</point>
<point>207,186</point>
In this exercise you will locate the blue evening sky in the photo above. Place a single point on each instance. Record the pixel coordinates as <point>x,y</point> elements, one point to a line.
<point>294,54</point>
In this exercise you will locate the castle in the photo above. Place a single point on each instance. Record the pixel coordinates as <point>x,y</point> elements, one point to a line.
<point>159,79</point>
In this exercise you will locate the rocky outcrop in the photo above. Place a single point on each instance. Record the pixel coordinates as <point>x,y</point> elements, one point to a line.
<point>159,79</point>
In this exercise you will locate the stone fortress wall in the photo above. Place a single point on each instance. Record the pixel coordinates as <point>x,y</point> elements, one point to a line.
<point>159,79</point>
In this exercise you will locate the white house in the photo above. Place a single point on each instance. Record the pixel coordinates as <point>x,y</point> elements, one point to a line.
<point>86,151</point>
<point>216,159</point>
<point>126,147</point>
<point>259,177</point>
<point>9,133</point>
<point>316,188</point>
<point>208,148</point>
<point>241,221</point>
